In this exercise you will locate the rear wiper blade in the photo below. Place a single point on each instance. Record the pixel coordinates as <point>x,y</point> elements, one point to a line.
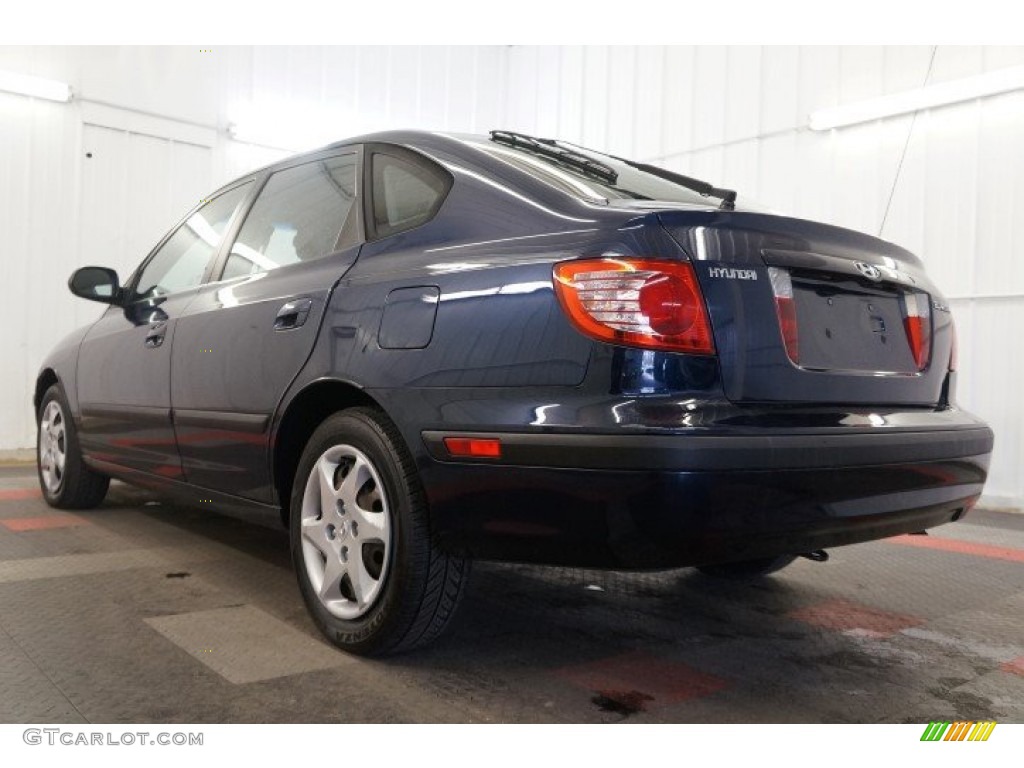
<point>727,196</point>
<point>559,151</point>
<point>551,149</point>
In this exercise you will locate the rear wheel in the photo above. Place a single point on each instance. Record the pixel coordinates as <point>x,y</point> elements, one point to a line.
<point>747,569</point>
<point>66,482</point>
<point>368,571</point>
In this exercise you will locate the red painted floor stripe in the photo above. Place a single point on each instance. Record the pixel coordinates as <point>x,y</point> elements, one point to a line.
<point>42,522</point>
<point>16,494</point>
<point>648,680</point>
<point>1016,666</point>
<point>842,615</point>
<point>960,547</point>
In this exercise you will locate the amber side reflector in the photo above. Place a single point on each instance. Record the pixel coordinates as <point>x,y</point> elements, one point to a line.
<point>473,447</point>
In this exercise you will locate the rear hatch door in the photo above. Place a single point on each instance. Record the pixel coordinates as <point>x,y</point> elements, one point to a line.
<point>805,312</point>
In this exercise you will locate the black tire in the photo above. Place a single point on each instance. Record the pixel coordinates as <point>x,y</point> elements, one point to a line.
<point>418,587</point>
<point>747,569</point>
<point>75,486</point>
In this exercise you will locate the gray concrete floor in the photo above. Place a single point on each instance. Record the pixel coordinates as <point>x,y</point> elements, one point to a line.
<point>146,611</point>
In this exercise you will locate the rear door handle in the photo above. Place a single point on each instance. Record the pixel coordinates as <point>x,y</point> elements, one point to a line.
<point>155,337</point>
<point>292,315</point>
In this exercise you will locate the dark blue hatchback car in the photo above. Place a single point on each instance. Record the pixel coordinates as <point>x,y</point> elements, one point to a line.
<point>426,348</point>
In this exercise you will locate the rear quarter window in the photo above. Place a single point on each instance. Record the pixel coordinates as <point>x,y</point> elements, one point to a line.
<point>407,191</point>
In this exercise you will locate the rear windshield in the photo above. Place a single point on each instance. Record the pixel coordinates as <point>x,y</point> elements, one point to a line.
<point>631,184</point>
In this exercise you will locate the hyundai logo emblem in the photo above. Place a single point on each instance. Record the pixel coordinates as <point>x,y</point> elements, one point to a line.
<point>870,271</point>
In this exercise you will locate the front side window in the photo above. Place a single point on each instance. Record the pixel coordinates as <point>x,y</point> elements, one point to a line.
<point>405,193</point>
<point>180,262</point>
<point>303,213</point>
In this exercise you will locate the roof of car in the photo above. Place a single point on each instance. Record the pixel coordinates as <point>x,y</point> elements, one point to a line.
<point>403,136</point>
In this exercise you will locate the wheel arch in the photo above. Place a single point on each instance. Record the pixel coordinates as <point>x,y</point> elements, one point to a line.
<point>47,378</point>
<point>300,418</point>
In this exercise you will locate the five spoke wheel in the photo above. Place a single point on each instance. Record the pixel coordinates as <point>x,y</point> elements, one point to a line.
<point>370,573</point>
<point>346,531</point>
<point>52,446</point>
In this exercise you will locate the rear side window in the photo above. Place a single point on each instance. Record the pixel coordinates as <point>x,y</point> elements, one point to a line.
<point>302,213</point>
<point>182,259</point>
<point>406,192</point>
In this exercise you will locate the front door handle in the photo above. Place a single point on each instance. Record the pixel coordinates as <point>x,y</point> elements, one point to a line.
<point>292,315</point>
<point>155,337</point>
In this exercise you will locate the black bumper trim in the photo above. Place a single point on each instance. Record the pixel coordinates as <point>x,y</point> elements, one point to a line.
<point>699,452</point>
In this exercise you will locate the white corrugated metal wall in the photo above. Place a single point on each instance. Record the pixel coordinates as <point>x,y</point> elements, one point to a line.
<point>735,115</point>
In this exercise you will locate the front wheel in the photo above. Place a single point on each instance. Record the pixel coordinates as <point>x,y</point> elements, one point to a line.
<point>370,575</point>
<point>65,480</point>
<point>747,569</point>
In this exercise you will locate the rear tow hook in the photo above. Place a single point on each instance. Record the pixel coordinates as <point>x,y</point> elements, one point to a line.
<point>818,555</point>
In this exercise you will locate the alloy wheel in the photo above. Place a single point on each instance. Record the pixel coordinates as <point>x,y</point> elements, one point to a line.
<point>346,531</point>
<point>52,446</point>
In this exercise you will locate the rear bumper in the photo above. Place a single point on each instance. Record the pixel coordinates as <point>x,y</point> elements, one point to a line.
<point>652,501</point>
<point>719,452</point>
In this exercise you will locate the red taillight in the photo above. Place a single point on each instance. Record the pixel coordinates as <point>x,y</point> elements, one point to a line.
<point>785,309</point>
<point>636,302</point>
<point>473,447</point>
<point>917,320</point>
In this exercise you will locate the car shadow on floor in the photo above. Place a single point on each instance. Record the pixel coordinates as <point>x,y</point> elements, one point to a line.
<point>524,632</point>
<point>524,600</point>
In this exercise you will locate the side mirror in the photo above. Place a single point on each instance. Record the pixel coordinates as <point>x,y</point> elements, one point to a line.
<point>96,284</point>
